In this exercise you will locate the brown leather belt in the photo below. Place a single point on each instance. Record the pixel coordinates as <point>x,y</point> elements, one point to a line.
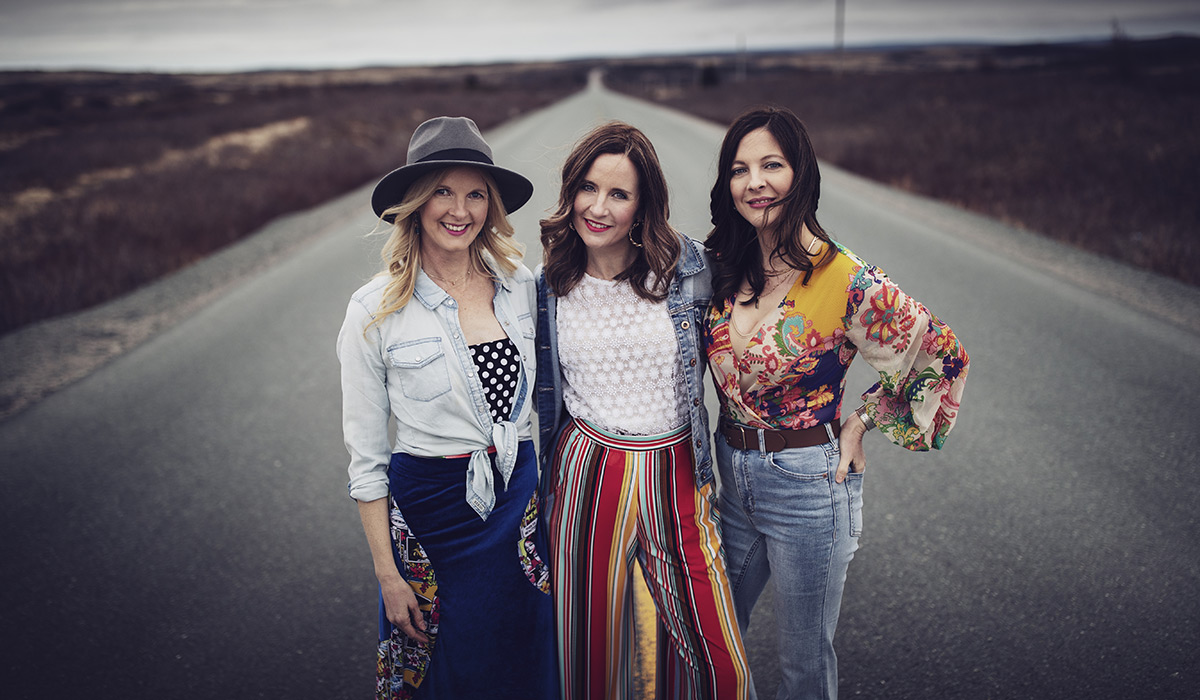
<point>744,438</point>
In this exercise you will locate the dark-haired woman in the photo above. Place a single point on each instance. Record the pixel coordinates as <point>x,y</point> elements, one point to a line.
<point>791,308</point>
<point>442,343</point>
<point>626,469</point>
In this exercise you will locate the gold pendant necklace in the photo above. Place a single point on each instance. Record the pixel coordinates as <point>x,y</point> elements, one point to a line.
<point>777,281</point>
<point>452,283</point>
<point>739,331</point>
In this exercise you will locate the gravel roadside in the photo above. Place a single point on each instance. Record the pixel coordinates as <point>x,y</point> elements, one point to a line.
<point>42,358</point>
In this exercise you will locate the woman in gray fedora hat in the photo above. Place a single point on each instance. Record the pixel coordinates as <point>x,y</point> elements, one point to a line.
<point>442,343</point>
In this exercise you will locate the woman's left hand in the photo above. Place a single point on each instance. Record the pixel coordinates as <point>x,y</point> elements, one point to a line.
<point>850,443</point>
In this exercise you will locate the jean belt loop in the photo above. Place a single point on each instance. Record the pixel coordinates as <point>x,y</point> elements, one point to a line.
<point>762,444</point>
<point>829,432</point>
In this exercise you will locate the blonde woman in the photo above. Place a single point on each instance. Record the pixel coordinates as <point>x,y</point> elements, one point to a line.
<point>442,342</point>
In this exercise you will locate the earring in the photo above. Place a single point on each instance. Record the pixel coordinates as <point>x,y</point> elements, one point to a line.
<point>635,243</point>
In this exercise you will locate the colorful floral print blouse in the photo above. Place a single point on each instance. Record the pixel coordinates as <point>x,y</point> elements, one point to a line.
<point>800,356</point>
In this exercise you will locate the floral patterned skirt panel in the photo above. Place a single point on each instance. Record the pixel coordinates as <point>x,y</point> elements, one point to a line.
<point>483,587</point>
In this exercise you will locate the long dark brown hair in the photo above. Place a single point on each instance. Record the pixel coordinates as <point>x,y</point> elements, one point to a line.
<point>565,253</point>
<point>733,243</point>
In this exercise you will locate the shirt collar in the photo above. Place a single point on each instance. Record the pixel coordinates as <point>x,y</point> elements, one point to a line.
<point>427,292</point>
<point>431,295</point>
<point>690,262</point>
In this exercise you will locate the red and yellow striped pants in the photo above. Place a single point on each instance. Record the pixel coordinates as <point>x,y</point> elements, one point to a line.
<point>620,497</point>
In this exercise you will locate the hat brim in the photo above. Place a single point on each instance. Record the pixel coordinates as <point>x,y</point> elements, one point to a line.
<point>515,189</point>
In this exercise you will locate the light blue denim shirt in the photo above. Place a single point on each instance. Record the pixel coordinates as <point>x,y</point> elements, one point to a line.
<point>415,366</point>
<point>688,299</point>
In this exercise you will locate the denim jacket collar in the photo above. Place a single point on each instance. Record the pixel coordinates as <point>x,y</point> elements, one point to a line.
<point>690,261</point>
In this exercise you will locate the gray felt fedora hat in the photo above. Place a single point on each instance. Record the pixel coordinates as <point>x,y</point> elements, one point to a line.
<point>447,142</point>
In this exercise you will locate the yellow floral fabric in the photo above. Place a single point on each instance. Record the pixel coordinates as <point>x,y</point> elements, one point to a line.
<point>799,357</point>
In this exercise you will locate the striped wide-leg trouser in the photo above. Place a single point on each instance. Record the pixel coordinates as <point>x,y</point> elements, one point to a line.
<point>620,497</point>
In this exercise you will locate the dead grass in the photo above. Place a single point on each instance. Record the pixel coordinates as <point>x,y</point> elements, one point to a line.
<point>108,182</point>
<point>1092,145</point>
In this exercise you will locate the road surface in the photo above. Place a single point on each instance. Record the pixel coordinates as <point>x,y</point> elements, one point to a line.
<point>177,525</point>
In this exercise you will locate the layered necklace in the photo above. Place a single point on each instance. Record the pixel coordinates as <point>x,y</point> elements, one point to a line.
<point>773,283</point>
<point>774,280</point>
<point>452,283</point>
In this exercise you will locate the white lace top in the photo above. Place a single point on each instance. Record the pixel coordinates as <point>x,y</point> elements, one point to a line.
<point>621,365</point>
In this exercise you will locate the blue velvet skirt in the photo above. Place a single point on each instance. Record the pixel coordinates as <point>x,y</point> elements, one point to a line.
<point>483,586</point>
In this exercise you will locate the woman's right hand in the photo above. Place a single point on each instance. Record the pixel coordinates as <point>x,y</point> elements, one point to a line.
<point>399,601</point>
<point>850,443</point>
<point>402,609</point>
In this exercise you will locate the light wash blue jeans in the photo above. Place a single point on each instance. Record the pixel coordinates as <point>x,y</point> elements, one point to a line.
<point>784,518</point>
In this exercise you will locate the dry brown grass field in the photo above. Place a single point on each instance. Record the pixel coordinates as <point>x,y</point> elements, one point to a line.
<point>1094,145</point>
<point>109,181</point>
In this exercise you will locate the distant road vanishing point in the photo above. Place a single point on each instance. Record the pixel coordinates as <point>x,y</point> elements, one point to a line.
<point>178,525</point>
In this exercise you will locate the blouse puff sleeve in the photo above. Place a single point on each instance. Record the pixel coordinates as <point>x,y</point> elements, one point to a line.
<point>365,405</point>
<point>922,366</point>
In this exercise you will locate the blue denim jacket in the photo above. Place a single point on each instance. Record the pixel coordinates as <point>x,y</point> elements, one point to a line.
<point>688,300</point>
<point>416,366</point>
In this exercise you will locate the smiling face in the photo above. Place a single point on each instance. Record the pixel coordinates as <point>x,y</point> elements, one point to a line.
<point>606,205</point>
<point>457,211</point>
<point>759,177</point>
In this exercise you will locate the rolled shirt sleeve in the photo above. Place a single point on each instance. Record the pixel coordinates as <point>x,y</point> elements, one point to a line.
<point>365,405</point>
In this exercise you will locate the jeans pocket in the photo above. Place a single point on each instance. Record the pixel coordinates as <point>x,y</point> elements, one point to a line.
<point>421,366</point>
<point>854,487</point>
<point>801,463</point>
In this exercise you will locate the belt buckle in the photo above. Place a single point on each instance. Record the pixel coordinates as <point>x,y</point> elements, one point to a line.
<point>739,433</point>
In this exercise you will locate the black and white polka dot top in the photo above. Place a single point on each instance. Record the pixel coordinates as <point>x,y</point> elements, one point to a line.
<point>498,365</point>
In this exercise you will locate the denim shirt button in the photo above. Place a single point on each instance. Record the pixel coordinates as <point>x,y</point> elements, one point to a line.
<point>685,325</point>
<point>692,362</point>
<point>695,402</point>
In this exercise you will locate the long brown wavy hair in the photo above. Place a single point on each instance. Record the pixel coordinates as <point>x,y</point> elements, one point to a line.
<point>565,254</point>
<point>733,243</point>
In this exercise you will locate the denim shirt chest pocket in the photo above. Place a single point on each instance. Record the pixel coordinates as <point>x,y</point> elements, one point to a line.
<point>528,330</point>
<point>527,327</point>
<point>421,367</point>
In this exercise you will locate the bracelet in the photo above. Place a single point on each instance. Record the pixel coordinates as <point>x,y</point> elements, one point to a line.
<point>865,417</point>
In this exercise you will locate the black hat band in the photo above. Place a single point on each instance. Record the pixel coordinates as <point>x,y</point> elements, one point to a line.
<point>458,154</point>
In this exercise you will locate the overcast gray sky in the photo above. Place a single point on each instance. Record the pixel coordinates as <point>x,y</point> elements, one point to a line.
<point>232,35</point>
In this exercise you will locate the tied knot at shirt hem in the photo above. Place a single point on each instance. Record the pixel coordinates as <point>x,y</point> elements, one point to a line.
<point>481,489</point>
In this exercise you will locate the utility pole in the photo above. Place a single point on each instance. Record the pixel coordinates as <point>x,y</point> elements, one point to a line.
<point>839,33</point>
<point>839,26</point>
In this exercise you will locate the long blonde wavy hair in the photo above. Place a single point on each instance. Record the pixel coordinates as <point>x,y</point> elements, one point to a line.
<point>402,251</point>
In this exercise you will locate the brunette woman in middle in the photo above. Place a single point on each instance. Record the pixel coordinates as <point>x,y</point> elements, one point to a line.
<point>626,465</point>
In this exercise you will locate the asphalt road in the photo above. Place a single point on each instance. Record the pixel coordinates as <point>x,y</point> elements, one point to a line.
<point>177,526</point>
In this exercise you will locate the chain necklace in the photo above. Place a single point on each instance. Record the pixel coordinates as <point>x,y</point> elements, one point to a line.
<point>452,283</point>
<point>778,280</point>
